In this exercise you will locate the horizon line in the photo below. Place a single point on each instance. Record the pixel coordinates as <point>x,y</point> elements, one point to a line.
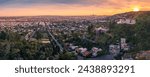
<point>68,15</point>
<point>53,15</point>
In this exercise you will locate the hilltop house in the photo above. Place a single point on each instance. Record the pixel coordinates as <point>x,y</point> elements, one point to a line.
<point>126,21</point>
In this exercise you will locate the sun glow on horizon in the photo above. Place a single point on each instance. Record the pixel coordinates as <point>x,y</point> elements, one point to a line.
<point>136,9</point>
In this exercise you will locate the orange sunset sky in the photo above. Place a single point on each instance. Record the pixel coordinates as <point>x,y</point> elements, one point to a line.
<point>70,7</point>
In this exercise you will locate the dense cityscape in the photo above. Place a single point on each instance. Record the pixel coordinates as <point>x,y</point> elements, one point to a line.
<point>117,37</point>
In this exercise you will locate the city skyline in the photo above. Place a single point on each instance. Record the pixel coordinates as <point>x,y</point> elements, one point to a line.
<point>70,7</point>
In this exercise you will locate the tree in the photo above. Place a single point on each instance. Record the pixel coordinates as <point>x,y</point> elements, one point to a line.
<point>142,32</point>
<point>38,35</point>
<point>67,56</point>
<point>3,35</point>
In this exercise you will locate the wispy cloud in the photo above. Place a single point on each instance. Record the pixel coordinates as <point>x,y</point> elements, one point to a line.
<point>115,3</point>
<point>69,7</point>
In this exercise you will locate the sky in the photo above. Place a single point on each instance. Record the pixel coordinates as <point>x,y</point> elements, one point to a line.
<point>70,7</point>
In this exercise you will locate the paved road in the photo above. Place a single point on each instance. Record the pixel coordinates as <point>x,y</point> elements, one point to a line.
<point>105,57</point>
<point>58,44</point>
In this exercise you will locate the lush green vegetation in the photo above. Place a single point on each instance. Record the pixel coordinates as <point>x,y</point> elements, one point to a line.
<point>13,46</point>
<point>138,35</point>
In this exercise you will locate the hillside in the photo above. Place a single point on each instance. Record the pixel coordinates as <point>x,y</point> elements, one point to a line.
<point>131,15</point>
<point>137,34</point>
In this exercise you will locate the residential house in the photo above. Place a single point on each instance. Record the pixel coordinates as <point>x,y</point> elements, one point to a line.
<point>124,45</point>
<point>95,51</point>
<point>143,55</point>
<point>114,49</point>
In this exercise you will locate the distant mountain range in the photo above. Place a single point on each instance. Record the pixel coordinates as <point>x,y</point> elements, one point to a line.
<point>131,15</point>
